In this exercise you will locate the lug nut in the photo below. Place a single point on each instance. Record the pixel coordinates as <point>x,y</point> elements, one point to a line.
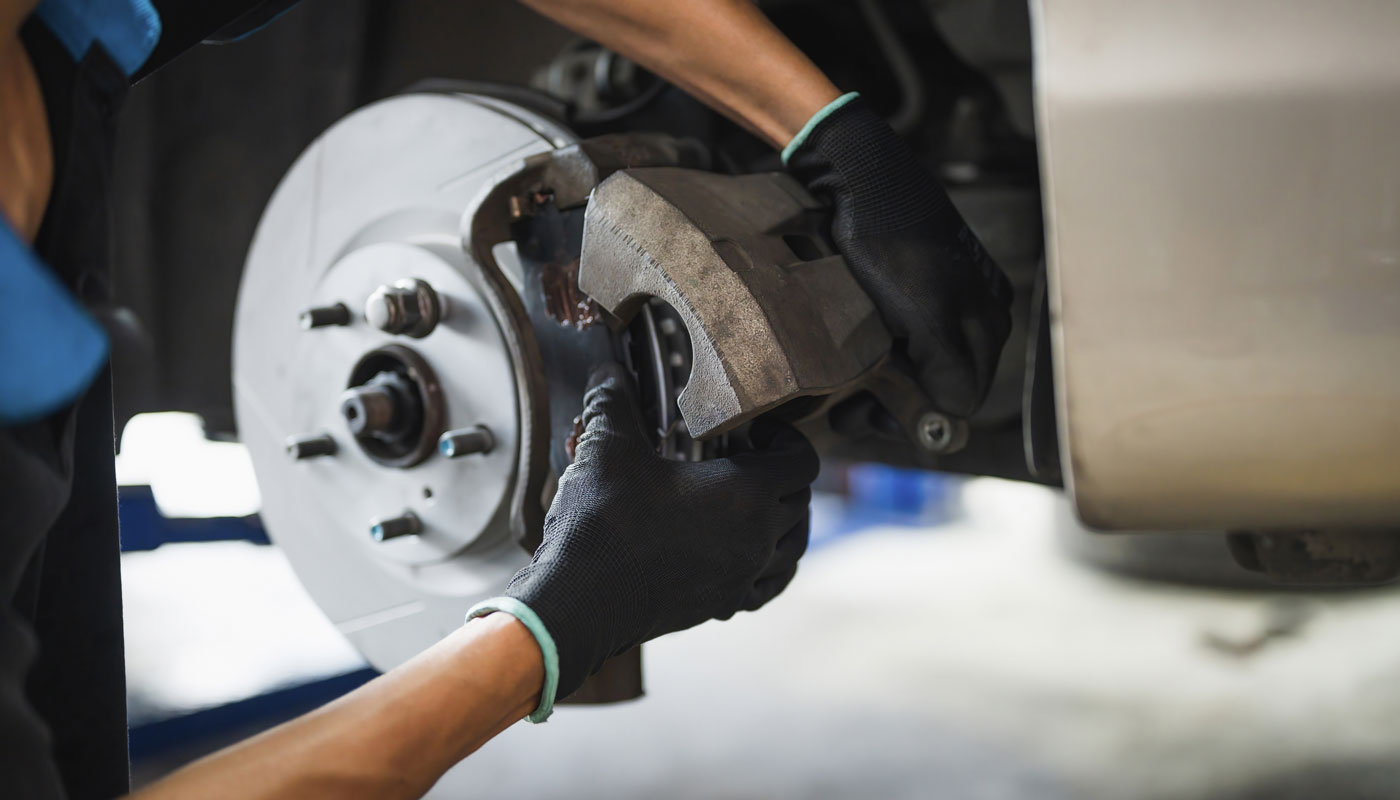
<point>302,447</point>
<point>321,316</point>
<point>409,307</point>
<point>465,441</point>
<point>406,524</point>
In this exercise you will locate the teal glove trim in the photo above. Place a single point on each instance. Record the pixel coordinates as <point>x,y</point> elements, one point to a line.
<point>812,123</point>
<point>528,618</point>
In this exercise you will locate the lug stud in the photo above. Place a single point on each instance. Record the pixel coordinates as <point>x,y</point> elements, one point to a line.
<point>465,441</point>
<point>321,316</point>
<point>406,524</point>
<point>303,447</point>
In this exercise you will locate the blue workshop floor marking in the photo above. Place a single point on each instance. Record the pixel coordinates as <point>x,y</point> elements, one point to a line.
<point>265,710</point>
<point>143,527</point>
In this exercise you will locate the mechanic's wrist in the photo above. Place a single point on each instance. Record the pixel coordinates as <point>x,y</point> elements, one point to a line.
<point>579,616</point>
<point>812,122</point>
<point>534,626</point>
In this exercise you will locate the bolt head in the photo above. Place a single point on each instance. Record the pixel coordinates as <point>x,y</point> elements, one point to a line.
<point>935,431</point>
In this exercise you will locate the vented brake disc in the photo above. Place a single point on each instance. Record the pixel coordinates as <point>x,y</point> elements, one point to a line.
<point>381,378</point>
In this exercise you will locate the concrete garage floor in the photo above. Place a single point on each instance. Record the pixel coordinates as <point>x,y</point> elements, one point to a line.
<point>972,660</point>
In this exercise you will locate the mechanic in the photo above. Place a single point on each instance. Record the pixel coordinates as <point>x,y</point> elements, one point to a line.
<point>634,546</point>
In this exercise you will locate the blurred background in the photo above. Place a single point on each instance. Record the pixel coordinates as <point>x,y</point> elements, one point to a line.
<point>946,635</point>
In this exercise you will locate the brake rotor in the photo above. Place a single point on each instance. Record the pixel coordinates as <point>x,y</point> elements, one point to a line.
<point>369,345</point>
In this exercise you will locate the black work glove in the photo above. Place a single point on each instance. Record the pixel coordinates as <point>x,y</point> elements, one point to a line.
<point>636,546</point>
<point>911,251</point>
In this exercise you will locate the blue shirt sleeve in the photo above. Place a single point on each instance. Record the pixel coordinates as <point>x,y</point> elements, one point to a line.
<point>127,29</point>
<point>50,348</point>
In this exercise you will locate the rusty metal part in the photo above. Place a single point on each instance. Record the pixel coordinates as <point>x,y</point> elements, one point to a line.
<point>766,325</point>
<point>1320,557</point>
<point>564,302</point>
<point>547,244</point>
<point>566,176</point>
<point>571,441</point>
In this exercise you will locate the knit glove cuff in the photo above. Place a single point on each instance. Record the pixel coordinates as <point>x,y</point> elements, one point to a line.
<point>532,622</point>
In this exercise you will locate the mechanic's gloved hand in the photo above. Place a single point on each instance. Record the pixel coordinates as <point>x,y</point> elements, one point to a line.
<point>636,546</point>
<point>909,248</point>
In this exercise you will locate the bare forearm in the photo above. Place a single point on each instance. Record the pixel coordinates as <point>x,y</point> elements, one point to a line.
<point>26,156</point>
<point>393,737</point>
<point>13,12</point>
<point>724,52</point>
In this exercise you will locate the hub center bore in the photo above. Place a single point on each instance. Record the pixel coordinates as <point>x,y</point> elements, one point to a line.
<point>393,406</point>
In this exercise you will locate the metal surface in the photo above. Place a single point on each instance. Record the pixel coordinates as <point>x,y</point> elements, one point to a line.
<point>1320,558</point>
<point>937,433</point>
<point>376,200</point>
<point>300,447</point>
<point>1222,192</point>
<point>405,524</point>
<point>569,340</point>
<point>394,406</point>
<point>408,306</point>
<point>465,442</point>
<point>766,325</point>
<point>414,192</point>
<point>322,316</point>
<point>722,293</point>
<point>561,179</point>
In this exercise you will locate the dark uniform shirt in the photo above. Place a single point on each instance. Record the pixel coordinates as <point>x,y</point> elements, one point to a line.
<point>62,680</point>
